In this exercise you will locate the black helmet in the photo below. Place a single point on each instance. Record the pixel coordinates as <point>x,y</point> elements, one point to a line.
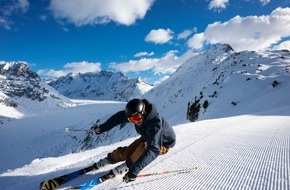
<point>134,106</point>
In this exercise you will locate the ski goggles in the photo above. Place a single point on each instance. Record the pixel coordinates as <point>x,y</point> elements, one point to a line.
<point>136,118</point>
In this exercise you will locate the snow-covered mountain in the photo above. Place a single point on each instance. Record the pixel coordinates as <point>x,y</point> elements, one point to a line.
<point>221,82</point>
<point>104,85</point>
<point>22,92</point>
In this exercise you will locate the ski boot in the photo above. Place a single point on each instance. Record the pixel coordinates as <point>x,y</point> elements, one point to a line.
<point>121,169</point>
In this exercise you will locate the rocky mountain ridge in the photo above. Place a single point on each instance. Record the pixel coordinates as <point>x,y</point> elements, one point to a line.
<point>23,90</point>
<point>105,85</point>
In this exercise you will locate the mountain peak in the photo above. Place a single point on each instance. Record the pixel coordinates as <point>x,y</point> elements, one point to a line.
<point>105,85</point>
<point>17,69</point>
<point>223,48</point>
<point>21,88</point>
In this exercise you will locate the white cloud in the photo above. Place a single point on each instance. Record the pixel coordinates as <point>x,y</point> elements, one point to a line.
<point>161,79</point>
<point>159,36</point>
<point>168,63</point>
<point>186,33</point>
<point>164,65</point>
<point>12,8</point>
<point>218,4</point>
<point>283,45</point>
<point>251,32</point>
<point>197,41</point>
<point>143,64</point>
<point>91,12</point>
<point>144,54</point>
<point>265,2</point>
<point>22,5</point>
<point>75,67</point>
<point>43,17</point>
<point>5,23</point>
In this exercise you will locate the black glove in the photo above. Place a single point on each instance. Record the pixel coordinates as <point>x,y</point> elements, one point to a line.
<point>97,129</point>
<point>129,177</point>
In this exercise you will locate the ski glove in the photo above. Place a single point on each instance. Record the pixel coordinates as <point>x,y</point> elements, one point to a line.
<point>129,177</point>
<point>97,129</point>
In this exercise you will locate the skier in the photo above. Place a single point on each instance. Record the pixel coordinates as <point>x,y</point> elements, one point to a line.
<point>157,137</point>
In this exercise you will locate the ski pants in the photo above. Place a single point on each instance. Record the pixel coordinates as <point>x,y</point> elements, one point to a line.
<point>131,153</point>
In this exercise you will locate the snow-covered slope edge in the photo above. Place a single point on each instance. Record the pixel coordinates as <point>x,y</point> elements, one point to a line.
<point>43,134</point>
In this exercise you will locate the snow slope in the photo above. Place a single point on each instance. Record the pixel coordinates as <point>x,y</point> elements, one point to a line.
<point>231,82</point>
<point>238,152</point>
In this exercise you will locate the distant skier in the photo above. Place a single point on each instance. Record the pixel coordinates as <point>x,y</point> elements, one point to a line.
<point>157,137</point>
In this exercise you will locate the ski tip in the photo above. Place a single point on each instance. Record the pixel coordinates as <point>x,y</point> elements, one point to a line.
<point>40,186</point>
<point>49,184</point>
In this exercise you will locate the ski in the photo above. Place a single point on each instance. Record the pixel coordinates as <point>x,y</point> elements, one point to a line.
<point>92,183</point>
<point>58,181</point>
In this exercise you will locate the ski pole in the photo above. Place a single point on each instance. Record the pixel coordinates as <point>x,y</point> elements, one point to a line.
<point>168,172</point>
<point>76,130</point>
<point>85,130</point>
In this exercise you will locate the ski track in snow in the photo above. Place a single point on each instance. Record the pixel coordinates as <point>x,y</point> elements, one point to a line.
<point>228,157</point>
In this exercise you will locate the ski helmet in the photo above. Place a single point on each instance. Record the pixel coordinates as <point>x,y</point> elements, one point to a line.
<point>135,106</point>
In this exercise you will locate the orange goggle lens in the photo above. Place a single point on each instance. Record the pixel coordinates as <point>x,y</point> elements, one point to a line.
<point>135,118</point>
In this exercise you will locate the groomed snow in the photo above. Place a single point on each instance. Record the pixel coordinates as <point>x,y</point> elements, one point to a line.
<point>238,152</point>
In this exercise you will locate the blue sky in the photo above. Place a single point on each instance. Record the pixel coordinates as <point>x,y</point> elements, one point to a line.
<point>141,38</point>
